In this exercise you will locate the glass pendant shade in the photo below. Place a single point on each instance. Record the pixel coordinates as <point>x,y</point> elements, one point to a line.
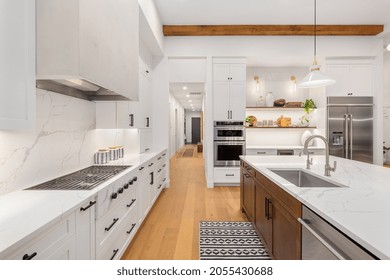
<point>315,78</point>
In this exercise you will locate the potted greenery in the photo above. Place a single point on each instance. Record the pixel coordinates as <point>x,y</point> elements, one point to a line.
<point>309,107</point>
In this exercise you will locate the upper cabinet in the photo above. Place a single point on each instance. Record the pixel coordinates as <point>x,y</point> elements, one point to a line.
<point>229,90</point>
<point>91,46</point>
<point>17,66</point>
<point>229,72</point>
<point>352,79</point>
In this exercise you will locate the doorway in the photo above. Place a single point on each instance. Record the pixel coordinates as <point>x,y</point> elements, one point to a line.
<point>195,130</point>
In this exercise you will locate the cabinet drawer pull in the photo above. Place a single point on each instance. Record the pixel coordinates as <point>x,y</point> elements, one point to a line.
<point>269,217</point>
<point>163,155</point>
<point>115,252</point>
<point>114,195</point>
<point>261,153</point>
<point>27,257</point>
<point>131,120</point>
<point>158,158</point>
<point>159,187</point>
<point>159,170</point>
<point>120,190</point>
<point>91,203</point>
<point>135,178</point>
<point>132,227</point>
<point>164,179</point>
<point>131,203</point>
<point>164,165</point>
<point>229,175</point>
<point>115,220</point>
<point>141,168</point>
<point>150,164</point>
<point>266,208</point>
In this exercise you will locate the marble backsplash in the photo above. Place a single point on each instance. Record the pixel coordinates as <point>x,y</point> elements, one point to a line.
<point>64,140</point>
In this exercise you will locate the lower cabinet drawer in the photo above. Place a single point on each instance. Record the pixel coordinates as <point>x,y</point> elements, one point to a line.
<point>56,242</point>
<point>227,175</point>
<point>261,152</point>
<point>114,246</point>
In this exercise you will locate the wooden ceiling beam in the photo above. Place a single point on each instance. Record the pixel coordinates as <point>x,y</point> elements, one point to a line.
<point>271,30</point>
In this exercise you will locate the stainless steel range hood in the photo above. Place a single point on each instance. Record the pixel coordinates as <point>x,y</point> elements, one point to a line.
<point>80,88</point>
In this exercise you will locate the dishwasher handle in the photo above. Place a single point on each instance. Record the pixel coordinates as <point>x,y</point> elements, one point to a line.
<point>321,239</point>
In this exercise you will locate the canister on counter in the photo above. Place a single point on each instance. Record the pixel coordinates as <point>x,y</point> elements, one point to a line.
<point>121,151</point>
<point>102,156</point>
<point>114,153</point>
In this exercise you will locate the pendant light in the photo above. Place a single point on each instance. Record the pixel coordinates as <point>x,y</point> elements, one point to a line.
<point>315,78</point>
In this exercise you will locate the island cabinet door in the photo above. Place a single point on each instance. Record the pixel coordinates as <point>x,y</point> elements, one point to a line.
<point>263,222</point>
<point>286,233</point>
<point>248,203</point>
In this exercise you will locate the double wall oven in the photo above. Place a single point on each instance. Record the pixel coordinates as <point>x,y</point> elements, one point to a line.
<point>229,143</point>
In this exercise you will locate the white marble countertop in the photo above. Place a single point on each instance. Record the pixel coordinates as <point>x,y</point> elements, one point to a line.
<point>361,210</point>
<point>27,213</point>
<point>250,147</point>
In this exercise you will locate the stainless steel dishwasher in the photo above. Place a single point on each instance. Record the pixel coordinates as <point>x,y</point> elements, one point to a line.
<point>322,241</point>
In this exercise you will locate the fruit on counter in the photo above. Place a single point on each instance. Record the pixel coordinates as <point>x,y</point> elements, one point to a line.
<point>283,121</point>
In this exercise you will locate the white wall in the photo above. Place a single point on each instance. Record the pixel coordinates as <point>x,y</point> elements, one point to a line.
<point>176,128</point>
<point>64,140</point>
<point>275,80</point>
<point>189,115</point>
<point>187,70</point>
<point>386,102</point>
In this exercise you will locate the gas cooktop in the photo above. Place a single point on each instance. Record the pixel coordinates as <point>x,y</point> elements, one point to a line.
<point>84,179</point>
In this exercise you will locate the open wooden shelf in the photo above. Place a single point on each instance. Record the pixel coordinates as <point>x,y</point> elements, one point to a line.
<point>275,108</point>
<point>279,127</point>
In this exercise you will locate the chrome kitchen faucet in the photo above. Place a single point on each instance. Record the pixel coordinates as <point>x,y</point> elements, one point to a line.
<point>310,161</point>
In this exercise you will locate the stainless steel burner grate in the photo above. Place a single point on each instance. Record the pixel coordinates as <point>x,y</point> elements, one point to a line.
<point>85,179</point>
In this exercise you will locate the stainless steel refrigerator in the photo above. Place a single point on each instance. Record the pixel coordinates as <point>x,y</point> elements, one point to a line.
<point>350,127</point>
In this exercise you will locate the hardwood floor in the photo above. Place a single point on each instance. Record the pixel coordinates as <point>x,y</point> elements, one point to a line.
<point>171,230</point>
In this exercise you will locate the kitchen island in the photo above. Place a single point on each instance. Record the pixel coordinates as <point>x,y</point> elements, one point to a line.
<point>360,209</point>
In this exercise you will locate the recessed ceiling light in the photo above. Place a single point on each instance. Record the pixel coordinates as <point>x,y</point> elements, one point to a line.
<point>388,47</point>
<point>187,95</point>
<point>184,88</point>
<point>190,100</point>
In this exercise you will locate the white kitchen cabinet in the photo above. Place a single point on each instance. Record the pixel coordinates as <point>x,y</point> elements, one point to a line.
<point>351,79</point>
<point>145,139</point>
<point>17,67</point>
<point>56,242</point>
<point>229,101</point>
<point>261,152</point>
<point>89,40</point>
<point>85,230</point>
<point>230,175</point>
<point>223,72</point>
<point>229,91</point>
<point>129,114</point>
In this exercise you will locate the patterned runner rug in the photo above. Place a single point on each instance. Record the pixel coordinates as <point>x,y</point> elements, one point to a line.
<point>230,241</point>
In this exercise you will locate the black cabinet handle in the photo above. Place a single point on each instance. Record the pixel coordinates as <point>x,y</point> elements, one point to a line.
<point>91,203</point>
<point>114,222</point>
<point>131,203</point>
<point>115,252</point>
<point>163,155</point>
<point>131,120</point>
<point>269,207</point>
<point>164,179</point>
<point>164,165</point>
<point>147,71</point>
<point>229,175</point>
<point>27,257</point>
<point>147,122</point>
<point>159,170</point>
<point>132,227</point>
<point>131,182</point>
<point>150,164</point>
<point>141,168</point>
<point>158,158</point>
<point>126,186</point>
<point>120,190</point>
<point>151,178</point>
<point>135,179</point>
<point>266,208</point>
<point>114,195</point>
<point>159,187</point>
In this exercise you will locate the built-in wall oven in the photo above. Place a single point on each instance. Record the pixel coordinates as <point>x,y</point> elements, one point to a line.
<point>229,143</point>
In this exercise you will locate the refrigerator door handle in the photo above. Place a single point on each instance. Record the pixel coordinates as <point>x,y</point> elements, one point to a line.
<point>350,136</point>
<point>346,138</point>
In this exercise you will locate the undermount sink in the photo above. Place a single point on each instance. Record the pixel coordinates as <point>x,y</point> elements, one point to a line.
<point>303,179</point>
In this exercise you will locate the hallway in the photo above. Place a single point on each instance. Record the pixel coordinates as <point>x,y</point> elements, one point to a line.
<point>171,230</point>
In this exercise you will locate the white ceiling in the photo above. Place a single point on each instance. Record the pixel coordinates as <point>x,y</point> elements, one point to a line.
<point>197,12</point>
<point>193,95</point>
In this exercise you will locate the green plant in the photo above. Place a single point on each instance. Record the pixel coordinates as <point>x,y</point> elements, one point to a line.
<point>309,106</point>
